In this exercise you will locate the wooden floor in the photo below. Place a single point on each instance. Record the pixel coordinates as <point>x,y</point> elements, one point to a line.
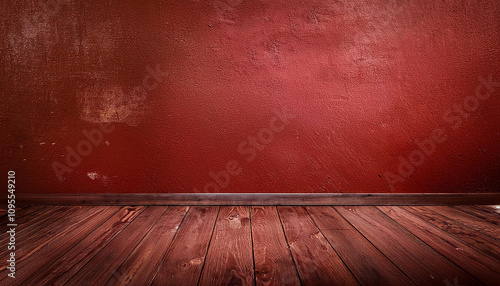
<point>241,245</point>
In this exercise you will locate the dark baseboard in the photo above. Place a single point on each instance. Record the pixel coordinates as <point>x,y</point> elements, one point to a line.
<point>260,199</point>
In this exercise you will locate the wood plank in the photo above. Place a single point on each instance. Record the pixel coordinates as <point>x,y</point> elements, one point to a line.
<point>229,259</point>
<point>58,242</point>
<point>482,267</point>
<point>316,261</point>
<point>60,271</point>
<point>488,215</point>
<point>367,263</point>
<point>141,265</point>
<point>493,209</point>
<point>184,259</point>
<point>480,241</point>
<point>106,262</point>
<point>56,226</point>
<point>4,210</point>
<point>31,220</point>
<point>63,241</point>
<point>22,210</point>
<point>272,258</point>
<point>258,199</point>
<point>468,220</point>
<point>422,264</point>
<point>28,216</point>
<point>28,210</point>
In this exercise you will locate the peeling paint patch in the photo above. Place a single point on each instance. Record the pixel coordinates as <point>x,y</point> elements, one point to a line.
<point>96,176</point>
<point>111,104</point>
<point>92,175</point>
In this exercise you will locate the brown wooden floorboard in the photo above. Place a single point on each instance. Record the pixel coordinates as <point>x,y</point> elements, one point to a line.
<point>468,220</point>
<point>144,260</point>
<point>273,263</point>
<point>22,211</point>
<point>229,259</point>
<point>46,231</point>
<point>367,263</point>
<point>255,245</point>
<point>422,264</point>
<point>489,215</point>
<point>482,267</point>
<point>184,259</point>
<point>28,223</point>
<point>61,270</point>
<point>58,247</point>
<point>490,209</point>
<point>317,262</point>
<point>107,261</point>
<point>475,238</point>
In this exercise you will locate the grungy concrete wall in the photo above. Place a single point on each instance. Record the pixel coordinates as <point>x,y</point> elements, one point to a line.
<point>250,96</point>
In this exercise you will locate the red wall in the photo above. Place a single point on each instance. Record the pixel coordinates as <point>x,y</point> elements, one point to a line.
<point>193,87</point>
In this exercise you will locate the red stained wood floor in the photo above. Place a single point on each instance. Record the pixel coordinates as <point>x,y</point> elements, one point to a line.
<point>242,245</point>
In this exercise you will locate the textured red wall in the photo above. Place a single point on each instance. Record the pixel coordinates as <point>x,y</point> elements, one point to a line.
<point>268,96</point>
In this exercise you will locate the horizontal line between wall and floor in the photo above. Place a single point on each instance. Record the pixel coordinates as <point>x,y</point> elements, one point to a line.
<point>312,199</point>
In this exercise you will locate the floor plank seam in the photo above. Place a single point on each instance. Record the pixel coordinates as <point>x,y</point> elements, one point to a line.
<point>431,247</point>
<point>288,246</point>
<point>257,245</point>
<point>457,221</point>
<point>253,251</point>
<point>329,243</point>
<point>208,246</point>
<point>169,246</point>
<point>113,274</point>
<point>375,246</point>
<point>107,243</point>
<point>83,238</point>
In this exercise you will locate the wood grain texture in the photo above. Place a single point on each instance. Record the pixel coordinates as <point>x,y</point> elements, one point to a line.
<point>367,263</point>
<point>316,261</point>
<point>468,220</point>
<point>22,210</point>
<point>48,229</point>
<point>482,267</point>
<point>258,199</point>
<point>291,245</point>
<point>491,209</point>
<point>107,261</point>
<point>475,238</point>
<point>29,221</point>
<point>229,259</point>
<point>272,259</point>
<point>483,213</point>
<point>60,271</point>
<point>422,264</point>
<point>184,259</point>
<point>141,265</point>
<point>63,241</point>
